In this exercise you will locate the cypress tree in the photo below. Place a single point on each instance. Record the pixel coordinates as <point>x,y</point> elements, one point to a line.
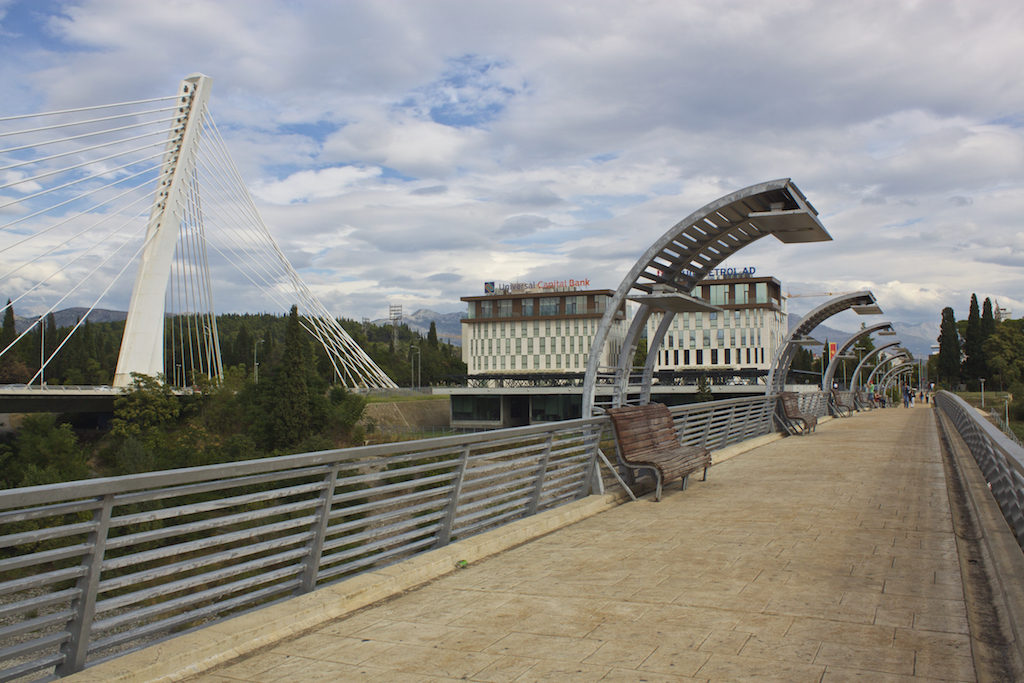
<point>949,348</point>
<point>288,402</point>
<point>432,335</point>
<point>973,360</point>
<point>8,334</point>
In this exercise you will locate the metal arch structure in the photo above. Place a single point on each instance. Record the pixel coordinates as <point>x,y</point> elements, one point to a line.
<point>901,353</point>
<point>833,364</point>
<point>667,272</point>
<point>860,302</point>
<point>863,361</point>
<point>906,367</point>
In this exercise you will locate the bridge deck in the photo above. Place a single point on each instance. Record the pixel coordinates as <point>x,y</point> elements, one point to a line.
<point>822,558</point>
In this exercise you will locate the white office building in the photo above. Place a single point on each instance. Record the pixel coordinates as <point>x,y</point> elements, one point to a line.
<point>745,334</point>
<point>536,328</point>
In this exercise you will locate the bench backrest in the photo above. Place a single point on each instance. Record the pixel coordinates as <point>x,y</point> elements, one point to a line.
<point>643,428</point>
<point>790,404</point>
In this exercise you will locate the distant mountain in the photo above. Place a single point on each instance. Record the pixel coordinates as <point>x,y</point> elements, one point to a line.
<point>916,338</point>
<point>68,317</point>
<point>449,325</point>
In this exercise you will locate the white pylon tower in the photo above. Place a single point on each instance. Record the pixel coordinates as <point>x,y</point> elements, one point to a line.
<point>142,346</point>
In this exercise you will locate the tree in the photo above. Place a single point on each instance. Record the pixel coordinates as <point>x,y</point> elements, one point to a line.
<point>8,334</point>
<point>974,359</point>
<point>949,348</point>
<point>704,389</point>
<point>1004,350</point>
<point>286,398</point>
<point>42,452</point>
<point>432,335</point>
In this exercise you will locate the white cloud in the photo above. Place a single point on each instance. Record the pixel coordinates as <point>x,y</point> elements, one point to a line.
<point>386,143</point>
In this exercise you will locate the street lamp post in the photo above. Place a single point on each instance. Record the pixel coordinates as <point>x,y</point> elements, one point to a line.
<point>255,365</point>
<point>415,364</point>
<point>982,392</point>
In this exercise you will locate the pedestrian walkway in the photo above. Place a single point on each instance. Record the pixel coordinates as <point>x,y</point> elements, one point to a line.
<point>829,557</point>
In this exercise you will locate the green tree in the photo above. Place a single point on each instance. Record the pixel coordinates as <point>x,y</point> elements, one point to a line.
<point>432,335</point>
<point>704,389</point>
<point>974,361</point>
<point>1004,350</point>
<point>949,348</point>
<point>8,334</point>
<point>286,397</point>
<point>145,410</point>
<point>42,452</point>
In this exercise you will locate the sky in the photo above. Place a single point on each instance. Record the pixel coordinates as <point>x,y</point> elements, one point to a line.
<point>405,152</point>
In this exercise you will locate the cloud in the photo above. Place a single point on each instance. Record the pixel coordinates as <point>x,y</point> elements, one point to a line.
<point>416,138</point>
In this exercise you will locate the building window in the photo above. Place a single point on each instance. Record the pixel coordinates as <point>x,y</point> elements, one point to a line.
<point>720,336</point>
<point>700,357</point>
<point>728,356</point>
<point>686,357</point>
<point>714,356</point>
<point>543,344</point>
<point>549,305</point>
<point>719,295</point>
<point>761,292</point>
<point>505,308</point>
<point>527,307</point>
<point>676,356</point>
<point>486,309</point>
<point>575,305</point>
<point>707,338</point>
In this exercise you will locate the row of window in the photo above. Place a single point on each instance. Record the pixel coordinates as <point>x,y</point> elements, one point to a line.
<point>585,326</point>
<point>671,357</point>
<point>539,344</point>
<point>550,361</point>
<point>745,293</point>
<point>736,337</point>
<point>575,304</point>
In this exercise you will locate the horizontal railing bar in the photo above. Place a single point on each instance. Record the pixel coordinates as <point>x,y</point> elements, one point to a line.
<point>19,649</point>
<point>391,473</point>
<point>107,585</point>
<point>202,525</point>
<point>199,596</point>
<point>370,536</point>
<point>51,493</point>
<point>46,534</point>
<point>27,668</point>
<point>45,556</point>
<point>369,547</point>
<point>348,568</point>
<point>386,488</point>
<point>40,580</point>
<point>344,527</point>
<point>192,546</point>
<point>467,530</point>
<point>15,608</point>
<point>469,513</point>
<point>217,485</point>
<point>35,623</point>
<point>212,505</point>
<point>435,495</point>
<point>40,512</point>
<point>186,617</point>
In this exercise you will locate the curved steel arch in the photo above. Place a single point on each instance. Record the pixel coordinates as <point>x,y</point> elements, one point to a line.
<point>905,367</point>
<point>784,356</point>
<point>856,371</point>
<point>663,276</point>
<point>901,353</point>
<point>833,364</point>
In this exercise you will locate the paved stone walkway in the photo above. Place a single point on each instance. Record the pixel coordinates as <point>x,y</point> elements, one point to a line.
<point>822,558</point>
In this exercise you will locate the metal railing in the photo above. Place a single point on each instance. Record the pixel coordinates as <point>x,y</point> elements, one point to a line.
<point>1001,460</point>
<point>93,569</point>
<point>717,424</point>
<point>1000,421</point>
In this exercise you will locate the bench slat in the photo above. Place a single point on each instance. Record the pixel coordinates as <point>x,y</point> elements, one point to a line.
<point>647,439</point>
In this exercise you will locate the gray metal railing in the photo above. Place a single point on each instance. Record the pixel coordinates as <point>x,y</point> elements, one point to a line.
<point>1000,459</point>
<point>92,569</point>
<point>717,424</point>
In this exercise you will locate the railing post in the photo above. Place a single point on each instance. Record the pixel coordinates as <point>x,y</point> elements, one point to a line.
<point>444,534</point>
<point>77,646</point>
<point>319,531</point>
<point>707,428</point>
<point>542,469</point>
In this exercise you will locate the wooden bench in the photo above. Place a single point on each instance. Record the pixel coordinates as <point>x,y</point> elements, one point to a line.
<point>839,407</point>
<point>647,441</point>
<point>791,410</point>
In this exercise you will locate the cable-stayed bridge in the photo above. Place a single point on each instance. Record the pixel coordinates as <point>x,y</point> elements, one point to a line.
<point>92,197</point>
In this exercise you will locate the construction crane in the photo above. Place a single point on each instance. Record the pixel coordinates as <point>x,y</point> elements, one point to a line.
<point>790,295</point>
